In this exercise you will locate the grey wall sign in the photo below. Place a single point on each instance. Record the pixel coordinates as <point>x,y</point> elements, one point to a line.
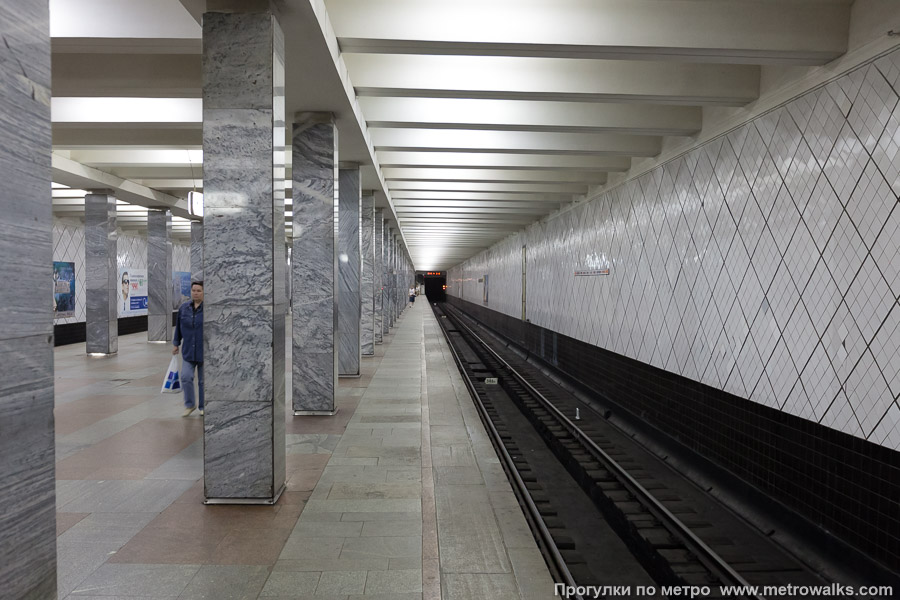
<point>591,272</point>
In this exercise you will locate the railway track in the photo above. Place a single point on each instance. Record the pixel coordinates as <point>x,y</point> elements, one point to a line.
<point>682,539</point>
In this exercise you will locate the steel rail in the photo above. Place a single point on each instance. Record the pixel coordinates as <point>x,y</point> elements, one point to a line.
<point>698,547</point>
<point>546,537</point>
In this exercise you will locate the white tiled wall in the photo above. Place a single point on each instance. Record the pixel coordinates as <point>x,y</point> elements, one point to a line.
<point>765,262</point>
<point>68,246</point>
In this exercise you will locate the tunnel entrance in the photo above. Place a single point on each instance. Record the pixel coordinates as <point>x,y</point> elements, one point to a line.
<point>435,285</point>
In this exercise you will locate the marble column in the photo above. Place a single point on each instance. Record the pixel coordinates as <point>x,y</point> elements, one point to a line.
<point>378,272</point>
<point>196,251</point>
<point>159,276</point>
<point>314,264</point>
<point>27,486</point>
<point>388,280</point>
<point>397,283</point>
<point>367,287</point>
<point>349,242</point>
<point>101,278</point>
<point>243,254</point>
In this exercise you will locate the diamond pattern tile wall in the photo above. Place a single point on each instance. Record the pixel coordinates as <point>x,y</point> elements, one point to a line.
<point>765,262</point>
<point>68,246</point>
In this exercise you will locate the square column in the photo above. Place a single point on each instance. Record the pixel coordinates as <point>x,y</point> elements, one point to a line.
<point>367,289</point>
<point>350,200</point>
<point>243,254</point>
<point>378,272</point>
<point>159,276</point>
<point>397,291</point>
<point>388,279</point>
<point>101,277</point>
<point>196,251</point>
<point>27,462</point>
<point>314,264</point>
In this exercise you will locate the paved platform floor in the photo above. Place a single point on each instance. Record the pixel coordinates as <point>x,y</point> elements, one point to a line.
<point>399,496</point>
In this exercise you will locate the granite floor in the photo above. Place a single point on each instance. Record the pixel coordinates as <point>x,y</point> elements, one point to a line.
<point>398,496</point>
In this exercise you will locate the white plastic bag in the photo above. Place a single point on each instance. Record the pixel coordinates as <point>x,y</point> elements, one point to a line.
<point>172,382</point>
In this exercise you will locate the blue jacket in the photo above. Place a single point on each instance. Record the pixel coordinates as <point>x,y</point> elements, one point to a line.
<point>189,327</point>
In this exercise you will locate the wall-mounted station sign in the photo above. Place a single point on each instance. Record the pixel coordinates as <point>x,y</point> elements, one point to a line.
<point>591,272</point>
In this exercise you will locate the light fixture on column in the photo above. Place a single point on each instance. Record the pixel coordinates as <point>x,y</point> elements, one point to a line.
<point>195,203</point>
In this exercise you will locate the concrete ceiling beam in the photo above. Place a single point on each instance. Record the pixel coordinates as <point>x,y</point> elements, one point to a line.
<point>531,115</point>
<point>506,142</point>
<point>495,160</point>
<point>558,79</point>
<point>495,175</point>
<point>797,32</point>
<point>76,175</point>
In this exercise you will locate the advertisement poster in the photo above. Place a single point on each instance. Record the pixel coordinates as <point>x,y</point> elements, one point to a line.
<point>132,298</point>
<point>181,288</point>
<point>63,289</point>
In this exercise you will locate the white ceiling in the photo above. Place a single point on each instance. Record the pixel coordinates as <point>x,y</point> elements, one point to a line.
<point>471,119</point>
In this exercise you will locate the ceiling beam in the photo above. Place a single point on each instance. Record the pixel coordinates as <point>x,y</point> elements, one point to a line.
<point>495,175</point>
<point>528,115</point>
<point>127,75</point>
<point>76,175</point>
<point>403,205</point>
<point>126,134</point>
<point>803,32</point>
<point>458,140</point>
<point>561,79</point>
<point>495,160</point>
<point>409,189</point>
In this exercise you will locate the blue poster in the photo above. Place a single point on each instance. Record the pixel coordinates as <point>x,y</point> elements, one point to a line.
<point>63,289</point>
<point>181,288</point>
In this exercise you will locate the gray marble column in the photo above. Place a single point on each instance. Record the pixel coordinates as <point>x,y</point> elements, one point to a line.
<point>388,280</point>
<point>367,287</point>
<point>101,278</point>
<point>159,276</point>
<point>349,267</point>
<point>378,272</point>
<point>314,264</point>
<point>397,264</point>
<point>27,486</point>
<point>196,251</point>
<point>243,254</point>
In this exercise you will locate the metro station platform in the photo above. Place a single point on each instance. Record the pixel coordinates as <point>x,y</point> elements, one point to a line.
<point>399,496</point>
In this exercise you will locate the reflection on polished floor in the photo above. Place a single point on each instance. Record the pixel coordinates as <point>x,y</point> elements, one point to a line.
<point>398,496</point>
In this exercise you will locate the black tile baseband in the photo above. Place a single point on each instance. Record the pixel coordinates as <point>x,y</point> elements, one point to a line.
<point>845,485</point>
<point>76,333</point>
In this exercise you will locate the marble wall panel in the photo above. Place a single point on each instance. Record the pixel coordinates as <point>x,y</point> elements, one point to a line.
<point>367,287</point>
<point>378,274</point>
<point>243,256</point>
<point>238,262</point>
<point>243,48</point>
<point>159,275</point>
<point>27,486</point>
<point>349,266</point>
<point>237,450</point>
<point>101,287</point>
<point>196,251</point>
<point>314,264</point>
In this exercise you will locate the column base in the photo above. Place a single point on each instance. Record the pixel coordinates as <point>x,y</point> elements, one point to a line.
<point>260,501</point>
<point>315,413</point>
